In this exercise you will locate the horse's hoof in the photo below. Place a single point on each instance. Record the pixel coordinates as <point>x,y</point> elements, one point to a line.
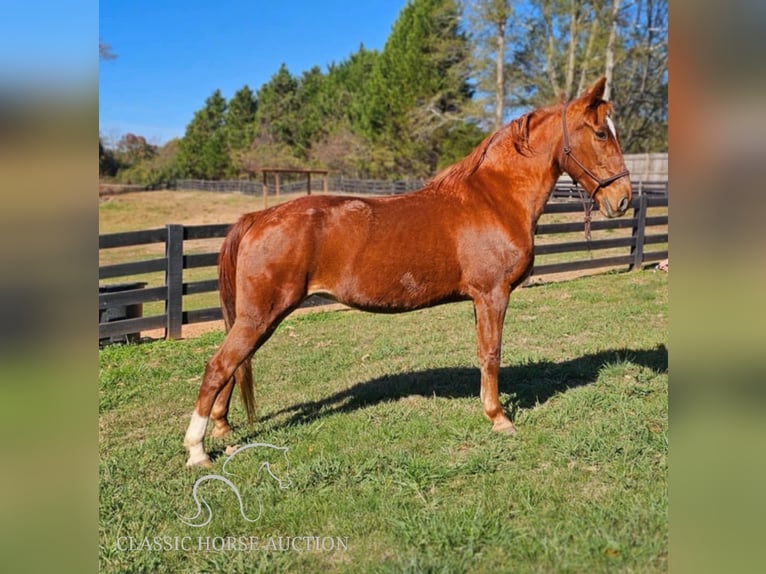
<point>199,463</point>
<point>505,427</point>
<point>218,432</point>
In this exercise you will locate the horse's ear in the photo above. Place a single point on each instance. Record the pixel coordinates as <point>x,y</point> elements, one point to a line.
<point>595,94</point>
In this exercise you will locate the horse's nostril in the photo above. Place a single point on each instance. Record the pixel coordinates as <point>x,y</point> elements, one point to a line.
<point>623,205</point>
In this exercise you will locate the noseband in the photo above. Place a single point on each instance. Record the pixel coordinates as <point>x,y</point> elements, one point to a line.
<point>587,205</point>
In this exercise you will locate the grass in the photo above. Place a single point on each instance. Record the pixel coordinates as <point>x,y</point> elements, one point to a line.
<point>390,457</point>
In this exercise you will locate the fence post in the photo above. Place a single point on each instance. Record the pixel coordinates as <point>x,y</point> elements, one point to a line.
<point>639,230</point>
<point>174,255</point>
<point>265,190</point>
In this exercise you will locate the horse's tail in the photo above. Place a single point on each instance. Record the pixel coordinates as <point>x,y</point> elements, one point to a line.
<point>227,289</point>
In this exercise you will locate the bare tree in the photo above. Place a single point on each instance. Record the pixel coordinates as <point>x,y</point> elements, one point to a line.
<point>550,53</point>
<point>498,12</point>
<point>105,51</point>
<point>569,43</point>
<point>585,63</point>
<point>488,20</point>
<point>609,56</point>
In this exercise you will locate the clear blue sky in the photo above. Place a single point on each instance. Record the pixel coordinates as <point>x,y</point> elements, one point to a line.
<point>48,43</point>
<point>172,55</point>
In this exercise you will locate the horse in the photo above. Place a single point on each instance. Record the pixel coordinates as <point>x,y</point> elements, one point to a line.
<point>467,235</point>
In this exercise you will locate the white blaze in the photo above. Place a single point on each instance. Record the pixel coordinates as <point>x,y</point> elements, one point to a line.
<point>610,123</point>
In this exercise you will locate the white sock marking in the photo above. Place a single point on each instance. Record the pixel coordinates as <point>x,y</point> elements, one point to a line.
<point>193,439</point>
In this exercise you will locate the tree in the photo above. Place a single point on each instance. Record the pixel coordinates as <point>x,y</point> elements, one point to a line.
<point>569,43</point>
<point>203,151</point>
<point>444,74</point>
<point>339,143</point>
<point>108,166</point>
<point>277,116</point>
<point>160,168</point>
<point>640,86</point>
<point>312,109</point>
<point>132,149</point>
<point>239,127</point>
<point>559,44</point>
<point>488,21</point>
<point>342,151</point>
<point>239,118</point>
<point>419,85</point>
<point>344,91</point>
<point>105,51</point>
<point>609,55</point>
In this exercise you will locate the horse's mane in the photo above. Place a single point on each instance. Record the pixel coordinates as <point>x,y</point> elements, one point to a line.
<point>466,167</point>
<point>518,133</point>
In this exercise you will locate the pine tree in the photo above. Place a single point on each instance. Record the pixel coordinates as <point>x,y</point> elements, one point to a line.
<point>419,86</point>
<point>311,109</point>
<point>239,125</point>
<point>344,90</point>
<point>239,119</point>
<point>277,115</point>
<point>203,151</point>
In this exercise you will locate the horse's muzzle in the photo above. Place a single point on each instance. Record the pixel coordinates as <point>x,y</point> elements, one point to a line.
<point>609,210</point>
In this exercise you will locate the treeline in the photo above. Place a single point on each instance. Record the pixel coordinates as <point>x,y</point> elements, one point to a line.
<point>448,74</point>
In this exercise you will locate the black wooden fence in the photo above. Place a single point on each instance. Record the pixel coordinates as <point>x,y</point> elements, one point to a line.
<point>564,188</point>
<point>120,304</point>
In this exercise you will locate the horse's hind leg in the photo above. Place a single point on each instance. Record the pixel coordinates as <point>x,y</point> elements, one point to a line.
<point>220,413</point>
<point>262,312</point>
<point>238,346</point>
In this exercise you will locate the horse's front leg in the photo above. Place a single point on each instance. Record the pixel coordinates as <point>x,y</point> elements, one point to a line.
<point>490,313</point>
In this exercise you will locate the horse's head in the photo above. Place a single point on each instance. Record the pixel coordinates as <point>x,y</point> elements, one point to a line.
<point>591,152</point>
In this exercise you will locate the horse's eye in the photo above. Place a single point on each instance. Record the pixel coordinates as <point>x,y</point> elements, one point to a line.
<point>601,135</point>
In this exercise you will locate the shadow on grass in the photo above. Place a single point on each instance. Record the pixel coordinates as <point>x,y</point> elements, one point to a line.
<point>529,384</point>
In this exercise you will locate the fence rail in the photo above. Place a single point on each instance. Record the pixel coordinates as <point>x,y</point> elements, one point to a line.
<point>336,184</point>
<point>646,243</point>
<point>565,188</point>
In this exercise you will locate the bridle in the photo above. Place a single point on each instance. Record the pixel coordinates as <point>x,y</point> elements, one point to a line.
<point>587,204</point>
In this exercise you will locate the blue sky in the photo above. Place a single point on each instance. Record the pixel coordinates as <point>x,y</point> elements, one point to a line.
<point>48,43</point>
<point>172,55</point>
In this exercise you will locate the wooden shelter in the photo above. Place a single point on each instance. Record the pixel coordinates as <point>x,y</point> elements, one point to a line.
<point>277,171</point>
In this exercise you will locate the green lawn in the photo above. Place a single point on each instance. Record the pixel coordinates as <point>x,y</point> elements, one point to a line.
<point>391,463</point>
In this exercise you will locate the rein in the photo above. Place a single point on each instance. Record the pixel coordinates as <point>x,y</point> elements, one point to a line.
<point>586,203</point>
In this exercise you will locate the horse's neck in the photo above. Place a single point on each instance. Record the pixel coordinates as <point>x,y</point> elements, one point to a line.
<point>529,181</point>
<point>540,190</point>
<point>542,169</point>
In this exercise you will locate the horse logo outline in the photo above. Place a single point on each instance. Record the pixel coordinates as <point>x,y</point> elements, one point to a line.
<point>283,484</point>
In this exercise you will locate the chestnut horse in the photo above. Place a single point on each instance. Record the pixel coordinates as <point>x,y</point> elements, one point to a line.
<point>468,234</point>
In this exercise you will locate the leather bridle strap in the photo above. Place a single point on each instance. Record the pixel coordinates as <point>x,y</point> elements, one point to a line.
<point>586,204</point>
<point>569,155</point>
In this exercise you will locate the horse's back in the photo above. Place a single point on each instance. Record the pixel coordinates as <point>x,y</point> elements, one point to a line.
<point>382,254</point>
